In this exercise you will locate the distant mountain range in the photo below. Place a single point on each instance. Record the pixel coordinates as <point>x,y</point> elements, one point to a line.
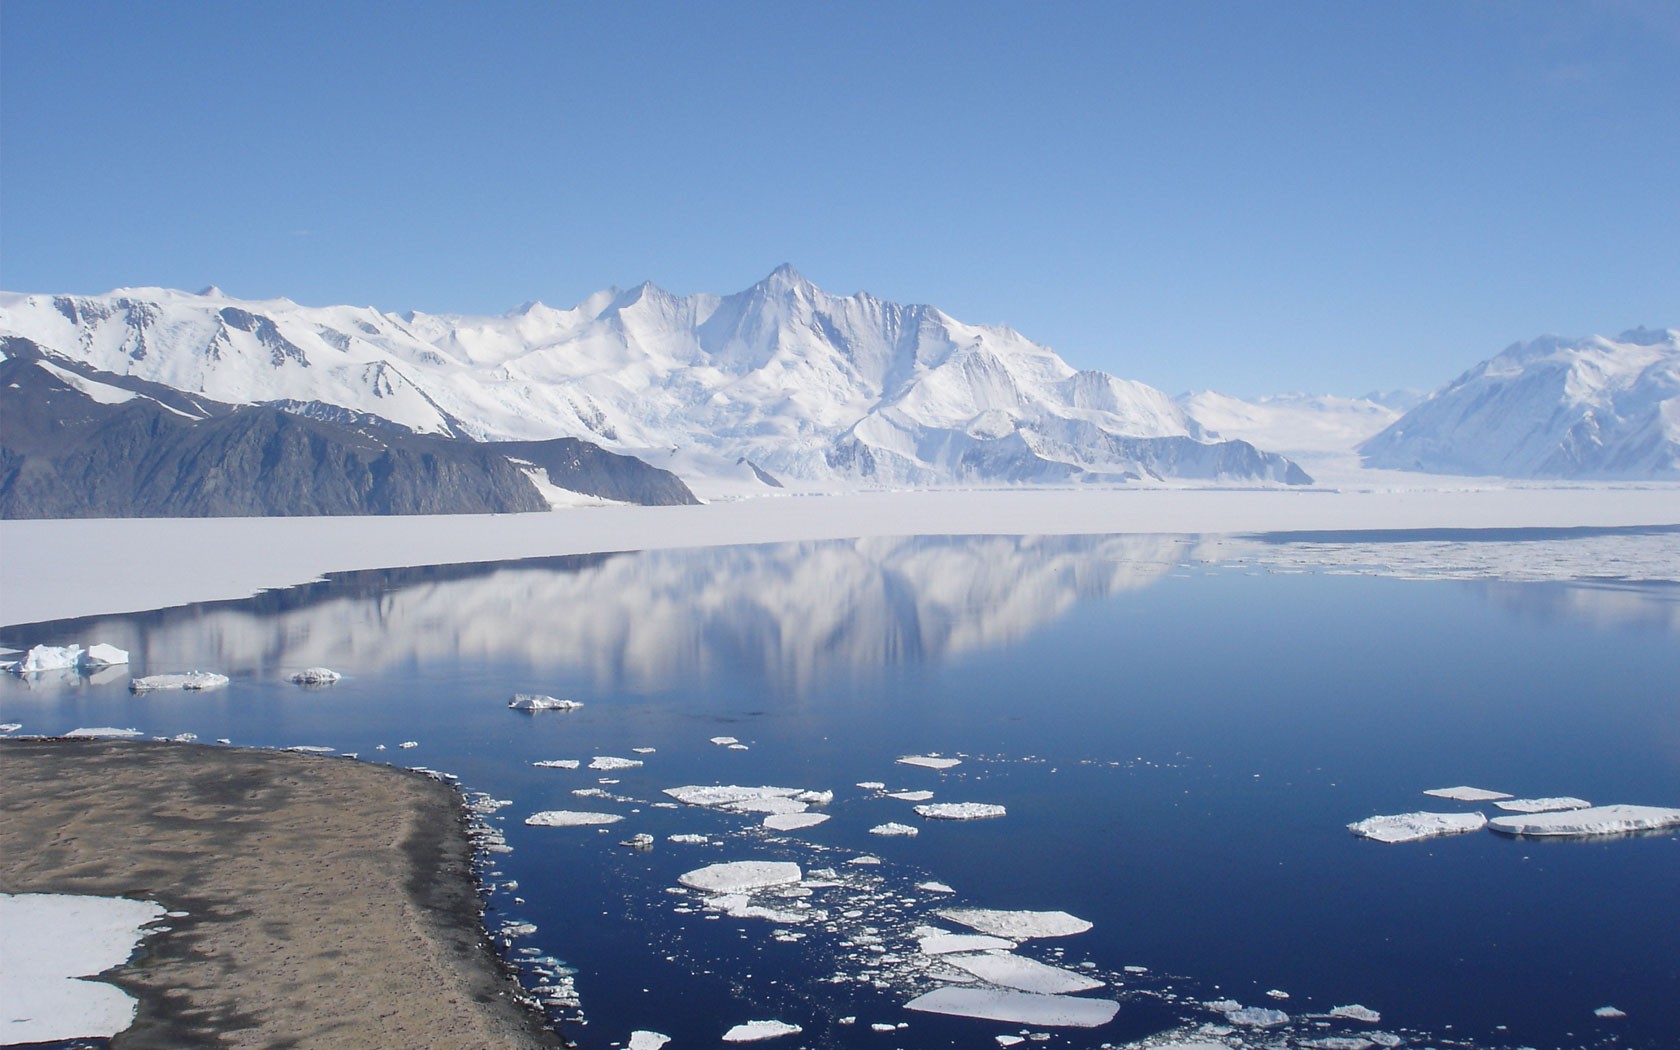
<point>780,381</point>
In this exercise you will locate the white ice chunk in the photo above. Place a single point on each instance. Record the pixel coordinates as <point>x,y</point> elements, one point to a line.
<point>103,733</point>
<point>611,762</point>
<point>542,702</point>
<point>406,744</point>
<point>1467,794</point>
<point>1258,1017</point>
<point>871,785</point>
<point>52,940</point>
<point>726,794</point>
<point>310,749</point>
<point>48,658</point>
<point>1609,1011</point>
<point>960,810</point>
<point>929,761</point>
<point>910,796</point>
<point>645,1040</point>
<point>753,1031</point>
<point>10,727</point>
<point>1000,1004</point>
<point>741,876</point>
<point>643,750</point>
<point>689,838</point>
<point>102,655</point>
<point>1543,805</point>
<point>316,676</point>
<point>1596,820</point>
<point>793,821</point>
<point>1355,1012</point>
<point>934,887</point>
<point>724,741</point>
<point>815,798</point>
<point>891,828</point>
<point>557,763</point>
<point>570,818</point>
<point>1016,925</point>
<point>772,804</point>
<point>931,940</point>
<point>189,680</point>
<point>1410,827</point>
<point>1027,975</point>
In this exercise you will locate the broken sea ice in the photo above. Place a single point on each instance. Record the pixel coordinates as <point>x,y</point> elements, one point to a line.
<point>1016,925</point>
<point>753,1031</point>
<point>1002,1004</point>
<point>1411,827</point>
<point>1597,820</point>
<point>188,680</point>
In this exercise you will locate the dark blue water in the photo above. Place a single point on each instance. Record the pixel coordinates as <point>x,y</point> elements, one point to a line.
<point>1179,750</point>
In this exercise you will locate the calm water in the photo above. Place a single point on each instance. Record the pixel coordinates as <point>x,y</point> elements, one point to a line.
<point>1180,737</point>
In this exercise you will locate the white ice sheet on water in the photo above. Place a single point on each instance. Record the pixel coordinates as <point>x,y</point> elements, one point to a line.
<point>49,941</point>
<point>1467,794</point>
<point>1023,974</point>
<point>741,876</point>
<point>1542,805</point>
<point>753,1031</point>
<point>929,761</point>
<point>1597,820</point>
<point>961,810</point>
<point>1030,1008</point>
<point>1016,925</point>
<point>1412,827</point>
<point>570,818</point>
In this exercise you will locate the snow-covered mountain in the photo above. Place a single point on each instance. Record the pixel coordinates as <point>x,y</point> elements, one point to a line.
<point>1295,423</point>
<point>1550,408</point>
<point>782,380</point>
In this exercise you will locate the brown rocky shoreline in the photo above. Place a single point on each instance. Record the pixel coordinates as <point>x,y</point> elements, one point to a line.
<point>330,902</point>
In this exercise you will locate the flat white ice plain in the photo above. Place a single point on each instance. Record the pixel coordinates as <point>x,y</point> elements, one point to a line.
<point>1016,925</point>
<point>50,941</point>
<point>202,559</point>
<point>1596,820</point>
<point>1031,1008</point>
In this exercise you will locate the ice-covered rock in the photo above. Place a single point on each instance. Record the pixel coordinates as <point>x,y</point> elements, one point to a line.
<point>891,828</point>
<point>753,1031</point>
<point>741,876</point>
<point>1410,827</point>
<point>1002,1004</point>
<point>1595,820</point>
<point>1467,794</point>
<point>100,656</point>
<point>316,676</point>
<point>1355,1012</point>
<point>1542,805</point>
<point>960,810</point>
<point>1027,975</point>
<point>793,821</point>
<point>1016,925</point>
<point>542,702</point>
<point>570,818</point>
<point>189,680</point>
<point>929,761</point>
<point>48,658</point>
<point>608,762</point>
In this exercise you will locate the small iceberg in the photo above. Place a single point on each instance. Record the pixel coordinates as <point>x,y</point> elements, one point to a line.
<point>1016,925</point>
<point>961,810</point>
<point>1595,820</point>
<point>891,828</point>
<point>48,658</point>
<point>642,1039</point>
<point>609,762</point>
<point>1411,827</point>
<point>1257,1017</point>
<point>570,818</point>
<point>1467,794</point>
<point>741,876</point>
<point>929,761</point>
<point>189,680</point>
<point>540,702</point>
<point>556,763</point>
<point>753,1031</point>
<point>98,657</point>
<point>1542,805</point>
<point>1029,1008</point>
<point>1355,1012</point>
<point>316,676</point>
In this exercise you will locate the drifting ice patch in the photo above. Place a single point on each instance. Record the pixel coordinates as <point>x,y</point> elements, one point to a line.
<point>726,794</point>
<point>1016,925</point>
<point>98,657</point>
<point>961,810</point>
<point>741,876</point>
<point>910,796</point>
<point>793,821</point>
<point>1356,1012</point>
<point>999,1004</point>
<point>1410,827</point>
<point>929,761</point>
<point>48,658</point>
<point>570,818</point>
<point>557,763</point>
<point>1609,1011</point>
<point>753,1031</point>
<point>931,940</point>
<point>540,702</point>
<point>644,1040</point>
<point>1022,974</point>
<point>934,887</point>
<point>189,680</point>
<point>724,741</point>
<point>316,676</point>
<point>871,785</point>
<point>1543,805</point>
<point>1597,820</point>
<point>891,828</point>
<point>103,733</point>
<point>1467,794</point>
<point>54,939</point>
<point>1258,1017</point>
<point>609,762</point>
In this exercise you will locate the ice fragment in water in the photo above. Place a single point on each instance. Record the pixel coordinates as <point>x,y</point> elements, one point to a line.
<point>1027,975</point>
<point>960,810</point>
<point>934,887</point>
<point>189,680</point>
<point>929,761</point>
<point>1017,925</point>
<point>1609,1011</point>
<point>753,1031</point>
<point>1542,805</point>
<point>741,876</point>
<point>1258,1017</point>
<point>316,676</point>
<point>644,1040</point>
<point>610,762</point>
<point>102,655</point>
<point>910,796</point>
<point>10,727</point>
<point>102,732</point>
<point>698,840</point>
<point>871,785</point>
<point>409,743</point>
<point>570,818</point>
<point>931,940</point>
<point>1597,820</point>
<point>48,658</point>
<point>643,750</point>
<point>890,828</point>
<point>540,702</point>
<point>1001,1004</point>
<point>557,763</point>
<point>793,821</point>
<point>724,741</point>
<point>726,794</point>
<point>1410,827</point>
<point>1355,1012</point>
<point>1467,794</point>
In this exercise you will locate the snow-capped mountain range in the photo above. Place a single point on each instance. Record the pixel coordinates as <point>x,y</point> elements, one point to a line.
<point>1550,408</point>
<point>780,381</point>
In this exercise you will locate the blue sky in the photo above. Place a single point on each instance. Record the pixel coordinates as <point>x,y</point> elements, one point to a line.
<point>1253,197</point>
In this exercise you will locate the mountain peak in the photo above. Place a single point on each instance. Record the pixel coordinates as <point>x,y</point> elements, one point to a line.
<point>786,278</point>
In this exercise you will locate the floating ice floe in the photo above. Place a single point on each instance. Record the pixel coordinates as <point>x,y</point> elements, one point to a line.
<point>929,761</point>
<point>718,795</point>
<point>1467,794</point>
<point>48,658</point>
<point>1542,805</point>
<point>1609,1012</point>
<point>610,762</point>
<point>408,744</point>
<point>643,750</point>
<point>1001,1004</point>
<point>570,818</point>
<point>1596,820</point>
<point>1410,827</point>
<point>10,727</point>
<point>724,741</point>
<point>815,798</point>
<point>189,680</point>
<point>100,656</point>
<point>645,1040</point>
<point>1355,1012</point>
<point>871,785</point>
<point>639,841</point>
<point>690,839</point>
<point>960,810</point>
<point>931,940</point>
<point>52,941</point>
<point>310,749</point>
<point>316,676</point>
<point>910,796</point>
<point>557,763</point>
<point>891,828</point>
<point>541,702</point>
<point>741,876</point>
<point>934,887</point>
<point>103,733</point>
<point>1023,974</point>
<point>753,1031</point>
<point>1016,925</point>
<point>793,821</point>
<point>1257,1017</point>
<point>741,906</point>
